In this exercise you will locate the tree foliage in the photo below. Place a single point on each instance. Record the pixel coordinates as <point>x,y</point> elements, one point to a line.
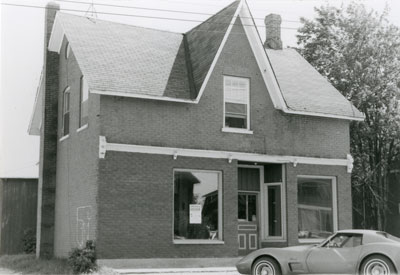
<point>358,51</point>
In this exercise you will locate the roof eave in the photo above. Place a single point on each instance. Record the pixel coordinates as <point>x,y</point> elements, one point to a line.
<point>57,35</point>
<point>294,112</point>
<point>36,116</point>
<point>143,96</point>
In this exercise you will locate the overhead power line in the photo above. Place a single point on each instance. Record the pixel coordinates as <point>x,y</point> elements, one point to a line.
<point>132,15</point>
<point>153,9</point>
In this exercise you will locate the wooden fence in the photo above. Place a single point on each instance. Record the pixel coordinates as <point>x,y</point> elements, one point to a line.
<point>18,203</point>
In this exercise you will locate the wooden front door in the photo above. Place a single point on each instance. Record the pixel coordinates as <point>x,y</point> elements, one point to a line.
<point>247,222</point>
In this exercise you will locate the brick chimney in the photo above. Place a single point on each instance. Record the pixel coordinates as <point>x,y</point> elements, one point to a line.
<point>48,143</point>
<point>273,32</point>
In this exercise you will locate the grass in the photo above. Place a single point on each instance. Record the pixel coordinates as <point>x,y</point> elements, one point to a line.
<point>28,264</point>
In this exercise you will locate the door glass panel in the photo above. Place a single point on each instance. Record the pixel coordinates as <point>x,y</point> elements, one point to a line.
<point>274,211</point>
<point>242,207</point>
<point>252,208</point>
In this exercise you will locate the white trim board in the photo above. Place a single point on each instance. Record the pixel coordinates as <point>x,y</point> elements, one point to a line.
<point>104,146</point>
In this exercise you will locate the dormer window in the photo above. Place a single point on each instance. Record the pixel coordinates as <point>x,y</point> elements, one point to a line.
<point>236,103</point>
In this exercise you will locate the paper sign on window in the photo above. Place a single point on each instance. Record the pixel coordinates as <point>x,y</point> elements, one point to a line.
<point>195,214</point>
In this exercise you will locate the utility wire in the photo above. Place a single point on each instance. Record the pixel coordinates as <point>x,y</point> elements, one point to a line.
<point>153,9</point>
<point>134,15</point>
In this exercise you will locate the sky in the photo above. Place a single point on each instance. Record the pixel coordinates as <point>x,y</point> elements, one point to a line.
<point>22,48</point>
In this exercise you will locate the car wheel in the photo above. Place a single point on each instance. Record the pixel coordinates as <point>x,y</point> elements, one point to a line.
<point>377,265</point>
<point>265,266</point>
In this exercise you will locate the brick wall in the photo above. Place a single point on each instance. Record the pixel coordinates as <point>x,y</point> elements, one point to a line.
<point>77,164</point>
<point>158,123</point>
<point>135,213</point>
<point>344,204</point>
<point>48,146</point>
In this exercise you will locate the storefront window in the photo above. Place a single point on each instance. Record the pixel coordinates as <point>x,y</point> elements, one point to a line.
<point>316,207</point>
<point>197,205</point>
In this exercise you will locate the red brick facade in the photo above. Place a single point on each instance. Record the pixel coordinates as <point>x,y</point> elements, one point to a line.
<point>130,195</point>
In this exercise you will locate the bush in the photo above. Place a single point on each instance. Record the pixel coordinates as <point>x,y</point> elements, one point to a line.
<point>83,260</point>
<point>29,241</point>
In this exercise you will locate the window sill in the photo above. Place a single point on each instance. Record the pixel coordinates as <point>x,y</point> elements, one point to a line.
<point>271,240</point>
<point>63,138</point>
<point>198,242</point>
<point>236,130</point>
<point>311,241</point>
<point>82,128</point>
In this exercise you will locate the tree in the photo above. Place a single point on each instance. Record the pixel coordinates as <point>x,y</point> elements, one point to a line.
<point>358,51</point>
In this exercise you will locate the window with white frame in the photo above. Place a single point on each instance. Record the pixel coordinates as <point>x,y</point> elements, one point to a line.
<point>274,194</point>
<point>316,207</point>
<point>65,111</point>
<point>83,109</point>
<point>197,206</point>
<point>236,102</point>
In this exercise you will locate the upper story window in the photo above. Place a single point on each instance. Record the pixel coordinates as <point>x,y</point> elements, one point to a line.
<point>236,102</point>
<point>65,112</point>
<point>83,108</point>
<point>67,50</point>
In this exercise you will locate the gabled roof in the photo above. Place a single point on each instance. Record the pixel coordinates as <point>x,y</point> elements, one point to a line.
<point>132,61</point>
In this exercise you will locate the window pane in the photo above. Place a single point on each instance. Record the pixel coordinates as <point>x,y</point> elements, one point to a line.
<point>196,205</point>
<point>66,124</point>
<point>83,120</point>
<point>242,207</point>
<point>235,122</point>
<point>252,208</point>
<point>315,208</point>
<point>234,108</point>
<point>274,211</point>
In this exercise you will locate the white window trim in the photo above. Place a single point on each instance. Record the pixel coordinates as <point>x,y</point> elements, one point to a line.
<point>334,205</point>
<point>283,237</point>
<point>235,130</point>
<point>66,90</point>
<point>67,50</point>
<point>220,239</point>
<point>231,129</point>
<point>63,138</point>
<point>82,128</point>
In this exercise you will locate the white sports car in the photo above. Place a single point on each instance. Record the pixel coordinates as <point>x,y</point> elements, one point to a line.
<point>363,252</point>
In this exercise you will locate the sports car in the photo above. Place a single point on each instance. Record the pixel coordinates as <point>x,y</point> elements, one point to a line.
<point>365,252</point>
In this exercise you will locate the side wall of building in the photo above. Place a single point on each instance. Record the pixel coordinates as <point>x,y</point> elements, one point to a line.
<point>77,164</point>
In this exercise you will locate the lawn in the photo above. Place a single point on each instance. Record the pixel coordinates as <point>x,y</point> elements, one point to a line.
<point>28,264</point>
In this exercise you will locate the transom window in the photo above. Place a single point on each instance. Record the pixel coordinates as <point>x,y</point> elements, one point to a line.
<point>316,207</point>
<point>197,206</point>
<point>83,109</point>
<point>65,117</point>
<point>236,102</point>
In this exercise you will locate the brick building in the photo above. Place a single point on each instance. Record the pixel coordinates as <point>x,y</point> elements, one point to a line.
<point>209,143</point>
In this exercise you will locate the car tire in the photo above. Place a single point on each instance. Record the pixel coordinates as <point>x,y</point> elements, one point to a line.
<point>265,266</point>
<point>377,264</point>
